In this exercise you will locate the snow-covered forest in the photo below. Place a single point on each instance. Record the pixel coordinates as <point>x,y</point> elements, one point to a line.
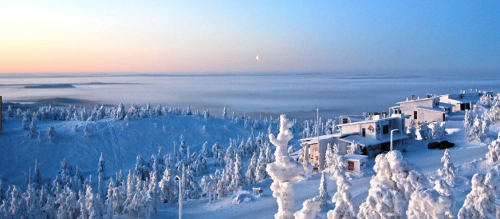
<point>117,161</point>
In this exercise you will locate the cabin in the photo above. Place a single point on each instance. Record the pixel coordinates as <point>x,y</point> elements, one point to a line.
<point>371,134</point>
<point>463,101</point>
<point>422,110</point>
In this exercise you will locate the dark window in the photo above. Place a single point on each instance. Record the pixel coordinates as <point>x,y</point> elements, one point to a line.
<point>386,129</point>
<point>462,107</point>
<point>444,117</point>
<point>344,120</point>
<point>364,132</point>
<point>415,115</point>
<point>467,106</point>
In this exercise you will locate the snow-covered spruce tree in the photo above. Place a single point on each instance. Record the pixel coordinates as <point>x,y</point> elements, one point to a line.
<point>224,113</point>
<point>448,171</point>
<point>251,174</point>
<point>309,209</point>
<point>32,128</point>
<point>101,169</point>
<point>493,154</point>
<point>269,156</point>
<point>476,130</point>
<point>485,101</point>
<point>424,131</point>
<point>229,152</point>
<point>353,148</point>
<point>51,132</point>
<point>284,171</point>
<point>205,151</point>
<point>26,121</point>
<point>329,157</point>
<point>438,131</point>
<point>323,194</point>
<point>468,122</point>
<point>183,147</point>
<point>120,112</point>
<point>412,130</point>
<point>480,202</point>
<point>238,179</point>
<point>86,131</point>
<point>167,187</point>
<point>391,187</point>
<point>260,170</point>
<point>485,127</point>
<point>344,208</point>
<point>110,207</point>
<point>437,202</point>
<point>221,188</point>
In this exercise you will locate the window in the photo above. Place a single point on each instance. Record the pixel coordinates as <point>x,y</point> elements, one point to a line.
<point>415,115</point>
<point>364,132</point>
<point>385,129</point>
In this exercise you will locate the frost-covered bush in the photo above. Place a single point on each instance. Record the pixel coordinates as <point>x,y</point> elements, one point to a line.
<point>391,187</point>
<point>480,202</point>
<point>425,131</point>
<point>323,193</point>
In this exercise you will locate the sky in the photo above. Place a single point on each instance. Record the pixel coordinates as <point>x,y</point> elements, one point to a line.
<point>226,36</point>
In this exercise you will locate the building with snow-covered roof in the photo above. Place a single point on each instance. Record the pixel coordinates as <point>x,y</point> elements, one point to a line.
<point>422,110</point>
<point>373,133</point>
<point>463,100</point>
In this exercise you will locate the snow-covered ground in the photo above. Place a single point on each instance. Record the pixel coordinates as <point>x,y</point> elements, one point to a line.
<point>121,141</point>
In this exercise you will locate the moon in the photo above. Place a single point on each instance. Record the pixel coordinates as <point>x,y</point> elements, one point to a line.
<point>257,58</point>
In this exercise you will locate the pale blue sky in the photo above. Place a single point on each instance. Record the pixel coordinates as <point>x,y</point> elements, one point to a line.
<point>225,36</point>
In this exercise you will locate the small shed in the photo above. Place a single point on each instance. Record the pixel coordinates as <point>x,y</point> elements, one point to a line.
<point>355,162</point>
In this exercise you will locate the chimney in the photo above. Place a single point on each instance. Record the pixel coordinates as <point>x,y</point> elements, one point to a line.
<point>413,97</point>
<point>384,114</point>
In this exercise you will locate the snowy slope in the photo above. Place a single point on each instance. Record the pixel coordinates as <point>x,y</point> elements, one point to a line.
<point>118,142</point>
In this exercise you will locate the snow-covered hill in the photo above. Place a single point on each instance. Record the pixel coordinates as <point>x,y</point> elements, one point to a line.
<point>119,141</point>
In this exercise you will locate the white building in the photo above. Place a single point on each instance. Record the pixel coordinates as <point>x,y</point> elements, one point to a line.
<point>422,110</point>
<point>463,101</point>
<point>373,133</point>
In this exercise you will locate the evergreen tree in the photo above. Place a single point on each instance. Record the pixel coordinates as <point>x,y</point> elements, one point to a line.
<point>51,132</point>
<point>323,194</point>
<point>448,172</point>
<point>412,129</point>
<point>238,179</point>
<point>480,202</point>
<point>260,171</point>
<point>251,174</point>
<point>101,170</point>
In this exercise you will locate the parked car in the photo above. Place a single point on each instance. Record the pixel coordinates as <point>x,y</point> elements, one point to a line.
<point>433,145</point>
<point>446,144</point>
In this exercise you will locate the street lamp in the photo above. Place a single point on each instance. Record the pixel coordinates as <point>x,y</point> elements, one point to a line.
<point>180,195</point>
<point>391,136</point>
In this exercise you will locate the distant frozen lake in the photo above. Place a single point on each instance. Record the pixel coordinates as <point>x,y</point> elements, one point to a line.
<point>297,95</point>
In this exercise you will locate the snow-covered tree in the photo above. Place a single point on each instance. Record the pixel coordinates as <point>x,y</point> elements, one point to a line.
<point>101,170</point>
<point>425,131</point>
<point>448,171</point>
<point>205,151</point>
<point>493,154</point>
<point>260,170</point>
<point>51,132</point>
<point>391,187</point>
<point>323,194</point>
<point>353,148</point>
<point>32,128</point>
<point>167,187</point>
<point>329,157</point>
<point>183,147</point>
<point>344,207</point>
<point>238,179</point>
<point>251,174</point>
<point>438,131</point>
<point>221,189</point>
<point>412,130</point>
<point>120,112</point>
<point>86,131</point>
<point>26,121</point>
<point>480,202</point>
<point>468,122</point>
<point>309,209</point>
<point>475,133</point>
<point>437,202</point>
<point>284,171</point>
<point>224,113</point>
